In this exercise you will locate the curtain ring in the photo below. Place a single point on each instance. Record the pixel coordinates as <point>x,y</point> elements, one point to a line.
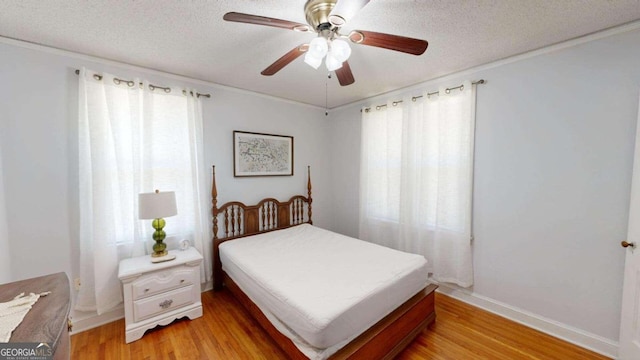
<point>129,83</point>
<point>167,90</point>
<point>97,77</point>
<point>462,87</point>
<point>151,87</point>
<point>447,90</point>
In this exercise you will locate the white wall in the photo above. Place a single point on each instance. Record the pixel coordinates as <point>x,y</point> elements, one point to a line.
<point>34,106</point>
<point>308,126</point>
<point>554,150</point>
<point>5,250</point>
<point>38,107</point>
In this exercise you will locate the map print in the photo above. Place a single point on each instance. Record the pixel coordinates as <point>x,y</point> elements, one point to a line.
<point>265,155</point>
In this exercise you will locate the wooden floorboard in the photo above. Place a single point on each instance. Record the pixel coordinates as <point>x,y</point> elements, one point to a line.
<point>226,331</point>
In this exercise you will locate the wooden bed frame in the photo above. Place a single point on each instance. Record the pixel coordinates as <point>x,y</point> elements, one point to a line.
<point>384,340</point>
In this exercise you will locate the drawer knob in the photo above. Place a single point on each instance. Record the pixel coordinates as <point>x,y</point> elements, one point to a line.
<point>165,304</point>
<point>146,290</point>
<point>181,281</point>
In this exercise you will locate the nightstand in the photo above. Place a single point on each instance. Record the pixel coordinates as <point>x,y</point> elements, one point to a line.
<point>158,293</point>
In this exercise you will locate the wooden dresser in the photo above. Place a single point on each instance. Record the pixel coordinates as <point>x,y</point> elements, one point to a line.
<point>47,321</point>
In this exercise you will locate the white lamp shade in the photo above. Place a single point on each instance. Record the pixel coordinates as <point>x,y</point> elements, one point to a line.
<point>157,205</point>
<point>345,10</point>
<point>340,49</point>
<point>318,47</point>
<point>332,63</point>
<point>313,61</point>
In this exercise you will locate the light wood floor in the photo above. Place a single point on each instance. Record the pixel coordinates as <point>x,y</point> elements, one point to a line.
<point>225,331</point>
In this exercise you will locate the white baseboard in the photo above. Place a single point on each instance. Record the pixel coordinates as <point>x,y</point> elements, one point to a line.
<point>86,321</point>
<point>556,329</point>
<point>207,286</point>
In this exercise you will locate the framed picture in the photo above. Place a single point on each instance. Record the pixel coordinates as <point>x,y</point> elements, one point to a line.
<point>256,154</point>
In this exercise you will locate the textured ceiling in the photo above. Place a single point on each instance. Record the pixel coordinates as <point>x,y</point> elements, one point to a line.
<point>190,38</point>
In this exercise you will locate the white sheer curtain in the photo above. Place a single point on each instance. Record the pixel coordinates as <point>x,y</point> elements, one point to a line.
<point>5,254</point>
<point>417,180</point>
<point>133,140</point>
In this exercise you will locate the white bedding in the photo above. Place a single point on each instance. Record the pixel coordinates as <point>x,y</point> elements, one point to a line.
<point>320,288</point>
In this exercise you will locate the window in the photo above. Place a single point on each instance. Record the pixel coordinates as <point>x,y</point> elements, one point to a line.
<point>416,179</point>
<point>132,139</point>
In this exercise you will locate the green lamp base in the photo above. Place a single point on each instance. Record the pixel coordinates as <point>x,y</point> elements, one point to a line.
<point>159,248</point>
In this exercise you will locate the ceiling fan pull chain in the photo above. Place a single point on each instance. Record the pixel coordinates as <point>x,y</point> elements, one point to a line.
<point>326,94</point>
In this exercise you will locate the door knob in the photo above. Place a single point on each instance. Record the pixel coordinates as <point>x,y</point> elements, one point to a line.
<point>625,244</point>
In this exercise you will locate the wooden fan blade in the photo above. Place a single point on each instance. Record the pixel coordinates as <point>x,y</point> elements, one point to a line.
<point>344,74</point>
<point>388,41</point>
<point>285,60</point>
<point>266,21</point>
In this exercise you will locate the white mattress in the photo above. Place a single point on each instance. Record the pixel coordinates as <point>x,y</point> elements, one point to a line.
<point>320,288</point>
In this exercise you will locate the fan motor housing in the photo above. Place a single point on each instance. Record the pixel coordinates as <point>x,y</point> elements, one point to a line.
<point>317,12</point>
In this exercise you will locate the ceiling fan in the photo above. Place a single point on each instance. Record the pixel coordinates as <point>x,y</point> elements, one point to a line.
<point>326,17</point>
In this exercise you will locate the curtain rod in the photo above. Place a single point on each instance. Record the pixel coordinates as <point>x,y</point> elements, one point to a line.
<point>130,83</point>
<point>447,90</point>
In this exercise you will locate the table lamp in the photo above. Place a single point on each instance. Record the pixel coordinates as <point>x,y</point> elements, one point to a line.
<point>158,205</point>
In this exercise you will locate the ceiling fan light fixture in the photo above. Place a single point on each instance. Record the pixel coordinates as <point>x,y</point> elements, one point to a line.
<point>344,10</point>
<point>340,49</point>
<point>318,48</point>
<point>337,20</point>
<point>332,62</point>
<point>312,61</point>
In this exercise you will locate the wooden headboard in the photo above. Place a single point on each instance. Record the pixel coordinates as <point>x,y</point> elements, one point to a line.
<point>239,220</point>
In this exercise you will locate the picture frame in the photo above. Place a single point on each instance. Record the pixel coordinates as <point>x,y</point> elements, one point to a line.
<point>258,154</point>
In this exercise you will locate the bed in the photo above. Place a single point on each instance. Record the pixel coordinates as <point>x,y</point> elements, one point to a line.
<point>318,294</point>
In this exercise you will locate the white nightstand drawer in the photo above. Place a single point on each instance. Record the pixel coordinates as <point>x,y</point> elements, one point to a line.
<point>162,281</point>
<point>155,305</point>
